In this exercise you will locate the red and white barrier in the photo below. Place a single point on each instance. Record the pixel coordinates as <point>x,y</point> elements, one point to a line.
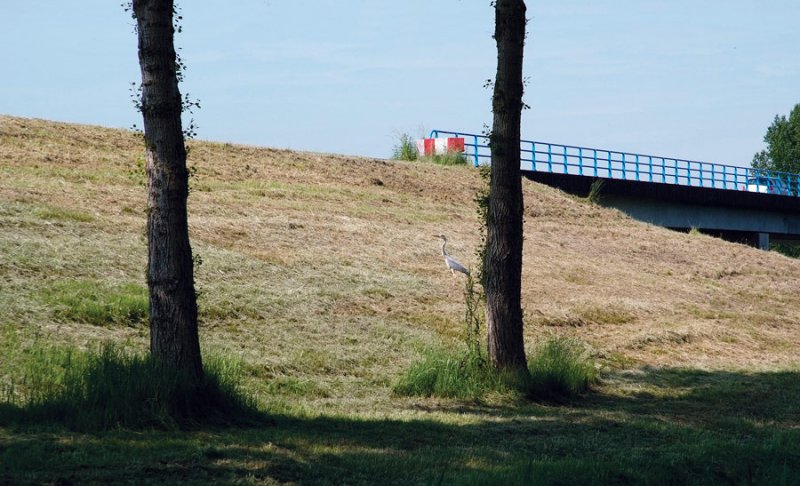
<point>439,146</point>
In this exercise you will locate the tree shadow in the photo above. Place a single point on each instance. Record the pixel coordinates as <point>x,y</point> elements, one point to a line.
<point>661,426</point>
<point>705,398</point>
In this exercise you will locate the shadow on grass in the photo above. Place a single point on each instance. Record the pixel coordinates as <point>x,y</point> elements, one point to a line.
<point>657,426</point>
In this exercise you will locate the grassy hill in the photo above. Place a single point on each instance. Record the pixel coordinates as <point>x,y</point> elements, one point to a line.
<point>320,275</point>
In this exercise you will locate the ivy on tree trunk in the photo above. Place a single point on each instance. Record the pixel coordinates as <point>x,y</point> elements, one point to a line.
<point>174,340</point>
<point>503,258</point>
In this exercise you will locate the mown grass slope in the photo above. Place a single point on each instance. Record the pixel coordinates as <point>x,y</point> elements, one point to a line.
<point>321,275</point>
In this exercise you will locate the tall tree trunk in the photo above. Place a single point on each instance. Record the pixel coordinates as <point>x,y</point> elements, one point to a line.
<point>503,260</point>
<point>174,340</point>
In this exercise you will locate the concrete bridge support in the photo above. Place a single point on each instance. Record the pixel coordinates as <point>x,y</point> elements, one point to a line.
<point>763,241</point>
<point>742,216</point>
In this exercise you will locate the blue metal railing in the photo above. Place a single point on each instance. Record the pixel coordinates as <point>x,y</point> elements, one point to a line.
<point>611,164</point>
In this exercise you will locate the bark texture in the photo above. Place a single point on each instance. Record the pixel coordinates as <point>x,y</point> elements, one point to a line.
<point>503,260</point>
<point>174,339</point>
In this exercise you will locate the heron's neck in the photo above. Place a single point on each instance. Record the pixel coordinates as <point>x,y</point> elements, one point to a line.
<point>444,252</point>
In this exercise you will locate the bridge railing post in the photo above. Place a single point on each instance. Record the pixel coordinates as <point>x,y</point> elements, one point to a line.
<point>713,175</point>
<point>624,175</point>
<point>724,176</point>
<point>594,156</point>
<point>702,176</point>
<point>675,163</point>
<point>580,161</point>
<point>549,158</point>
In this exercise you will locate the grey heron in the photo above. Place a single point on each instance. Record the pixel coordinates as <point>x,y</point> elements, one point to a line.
<point>451,262</point>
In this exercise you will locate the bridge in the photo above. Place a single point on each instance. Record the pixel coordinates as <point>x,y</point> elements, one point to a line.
<point>740,204</point>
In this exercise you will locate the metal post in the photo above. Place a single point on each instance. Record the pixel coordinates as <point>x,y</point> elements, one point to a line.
<point>650,167</point>
<point>550,158</point>
<point>624,175</point>
<point>595,161</point>
<point>566,160</point>
<point>637,167</point>
<point>580,161</point>
<point>675,163</point>
<point>477,159</point>
<point>724,176</point>
<point>713,175</point>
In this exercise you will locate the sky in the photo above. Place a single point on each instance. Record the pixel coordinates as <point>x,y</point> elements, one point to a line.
<point>700,80</point>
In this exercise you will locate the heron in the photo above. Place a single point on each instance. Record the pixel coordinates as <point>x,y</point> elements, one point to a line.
<point>451,262</point>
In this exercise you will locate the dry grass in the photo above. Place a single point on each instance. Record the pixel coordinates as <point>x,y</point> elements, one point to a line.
<point>321,275</point>
<point>322,268</point>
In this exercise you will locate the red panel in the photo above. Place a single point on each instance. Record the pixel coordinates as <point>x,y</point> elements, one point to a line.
<point>455,144</point>
<point>430,146</point>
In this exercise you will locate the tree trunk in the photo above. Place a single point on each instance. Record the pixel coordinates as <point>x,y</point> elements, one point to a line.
<point>174,340</point>
<point>503,260</point>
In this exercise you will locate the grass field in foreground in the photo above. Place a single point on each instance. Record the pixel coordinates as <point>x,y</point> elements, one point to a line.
<point>321,277</point>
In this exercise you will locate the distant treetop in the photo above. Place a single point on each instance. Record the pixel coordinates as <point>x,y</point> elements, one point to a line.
<point>783,144</point>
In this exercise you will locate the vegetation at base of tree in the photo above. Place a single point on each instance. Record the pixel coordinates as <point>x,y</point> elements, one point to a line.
<point>405,149</point>
<point>108,388</point>
<point>559,369</point>
<point>448,372</point>
<point>783,144</point>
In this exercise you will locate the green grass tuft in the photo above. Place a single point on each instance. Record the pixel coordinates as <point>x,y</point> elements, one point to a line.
<point>451,373</point>
<point>61,214</point>
<point>110,388</point>
<point>405,149</point>
<point>595,195</point>
<point>560,369</point>
<point>95,303</point>
<point>450,158</point>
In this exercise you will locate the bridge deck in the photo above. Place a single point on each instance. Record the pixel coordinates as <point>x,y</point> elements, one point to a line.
<point>610,164</point>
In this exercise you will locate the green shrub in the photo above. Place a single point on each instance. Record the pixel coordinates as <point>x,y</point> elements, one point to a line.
<point>406,148</point>
<point>560,369</point>
<point>109,388</point>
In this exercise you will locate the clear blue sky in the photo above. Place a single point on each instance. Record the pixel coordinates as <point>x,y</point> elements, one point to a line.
<point>682,78</point>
